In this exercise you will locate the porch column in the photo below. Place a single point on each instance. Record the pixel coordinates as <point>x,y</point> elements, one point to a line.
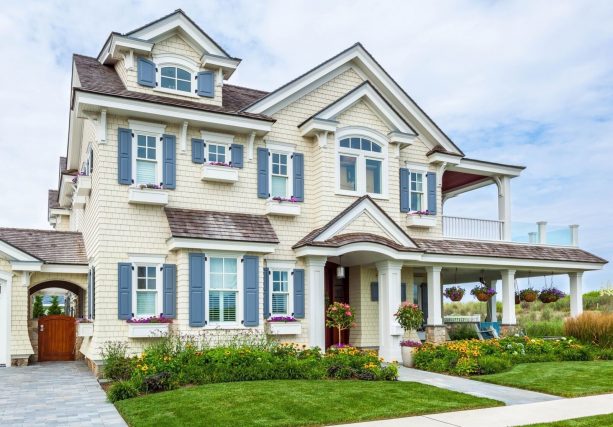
<point>504,206</point>
<point>508,299</point>
<point>316,314</point>
<point>491,315</point>
<point>390,332</point>
<point>435,329</point>
<point>576,293</point>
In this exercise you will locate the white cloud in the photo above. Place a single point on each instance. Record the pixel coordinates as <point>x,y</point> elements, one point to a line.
<point>520,82</point>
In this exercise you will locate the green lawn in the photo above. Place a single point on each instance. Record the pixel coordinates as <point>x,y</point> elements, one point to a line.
<point>292,403</point>
<point>568,379</point>
<point>598,420</point>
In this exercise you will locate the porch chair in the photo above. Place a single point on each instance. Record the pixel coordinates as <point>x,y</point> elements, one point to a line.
<point>487,330</point>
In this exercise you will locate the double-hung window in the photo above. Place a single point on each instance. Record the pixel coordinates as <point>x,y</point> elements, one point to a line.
<point>280,293</point>
<point>416,191</point>
<point>279,177</point>
<point>176,78</point>
<point>217,153</point>
<point>223,295</point>
<point>147,299</point>
<point>147,156</point>
<point>361,166</point>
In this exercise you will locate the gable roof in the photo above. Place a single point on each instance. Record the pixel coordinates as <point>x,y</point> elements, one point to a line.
<point>358,56</point>
<point>51,247</point>
<point>214,225</point>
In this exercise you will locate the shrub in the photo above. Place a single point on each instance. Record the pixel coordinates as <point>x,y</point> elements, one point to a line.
<point>409,316</point>
<point>117,366</point>
<point>553,328</point>
<point>121,391</point>
<point>54,308</point>
<point>340,316</point>
<point>493,364</point>
<point>37,308</point>
<point>462,332</point>
<point>158,382</point>
<point>591,327</point>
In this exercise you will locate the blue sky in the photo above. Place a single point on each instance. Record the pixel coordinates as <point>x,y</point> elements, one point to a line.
<point>522,82</point>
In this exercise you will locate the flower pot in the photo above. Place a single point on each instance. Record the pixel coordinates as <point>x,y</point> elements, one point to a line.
<point>407,356</point>
<point>482,296</point>
<point>456,297</point>
<point>546,299</point>
<point>529,296</point>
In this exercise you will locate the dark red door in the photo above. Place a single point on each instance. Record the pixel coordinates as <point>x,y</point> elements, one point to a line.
<point>336,290</point>
<point>56,338</point>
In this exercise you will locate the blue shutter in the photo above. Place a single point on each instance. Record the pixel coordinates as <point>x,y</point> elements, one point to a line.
<point>146,72</point>
<point>431,177</point>
<point>124,156</point>
<point>196,290</point>
<point>236,151</point>
<point>405,203</point>
<point>93,294</point>
<point>251,280</point>
<point>89,293</point>
<point>403,292</point>
<point>299,293</point>
<point>266,310</point>
<point>197,150</point>
<point>263,192</point>
<point>170,161</point>
<point>374,291</point>
<point>124,299</point>
<point>206,84</point>
<point>423,288</point>
<point>169,275</point>
<point>298,168</point>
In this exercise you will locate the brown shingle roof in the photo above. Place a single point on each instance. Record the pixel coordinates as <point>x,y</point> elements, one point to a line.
<point>348,238</point>
<point>103,79</point>
<point>440,149</point>
<point>214,225</point>
<point>236,98</point>
<point>507,250</point>
<point>52,199</point>
<point>52,247</point>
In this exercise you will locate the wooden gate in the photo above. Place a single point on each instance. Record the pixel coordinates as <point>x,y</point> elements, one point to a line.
<point>56,338</point>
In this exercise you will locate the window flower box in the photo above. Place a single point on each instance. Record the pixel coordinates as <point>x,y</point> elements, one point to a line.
<point>147,330</point>
<point>85,329</point>
<point>147,196</point>
<point>219,172</point>
<point>282,207</point>
<point>84,185</point>
<point>421,220</point>
<point>284,326</point>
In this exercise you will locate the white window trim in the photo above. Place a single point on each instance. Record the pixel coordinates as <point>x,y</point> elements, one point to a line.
<point>158,286</point>
<point>215,138</point>
<point>361,155</point>
<point>148,129</point>
<point>239,296</point>
<point>282,265</point>
<point>173,60</point>
<point>417,168</point>
<point>285,150</point>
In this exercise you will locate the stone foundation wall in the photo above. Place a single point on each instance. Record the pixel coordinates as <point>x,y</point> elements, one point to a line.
<point>436,334</point>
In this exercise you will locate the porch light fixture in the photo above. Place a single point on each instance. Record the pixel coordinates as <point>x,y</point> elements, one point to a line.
<point>340,270</point>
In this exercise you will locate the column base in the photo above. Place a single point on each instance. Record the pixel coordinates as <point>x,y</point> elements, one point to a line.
<point>507,330</point>
<point>436,334</point>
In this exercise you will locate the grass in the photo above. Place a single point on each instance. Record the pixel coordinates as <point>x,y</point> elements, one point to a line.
<point>567,379</point>
<point>597,420</point>
<point>292,403</point>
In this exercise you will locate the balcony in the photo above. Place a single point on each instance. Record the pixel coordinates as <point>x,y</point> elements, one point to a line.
<point>493,230</point>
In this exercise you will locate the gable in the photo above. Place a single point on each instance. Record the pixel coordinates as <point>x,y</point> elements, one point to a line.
<point>175,44</point>
<point>365,223</point>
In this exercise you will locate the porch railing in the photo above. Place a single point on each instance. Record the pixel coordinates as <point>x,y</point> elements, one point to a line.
<point>472,228</point>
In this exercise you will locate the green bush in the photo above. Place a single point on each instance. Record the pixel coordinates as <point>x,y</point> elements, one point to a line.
<point>462,332</point>
<point>54,308</point>
<point>553,328</point>
<point>121,391</point>
<point>117,366</point>
<point>493,364</point>
<point>37,308</point>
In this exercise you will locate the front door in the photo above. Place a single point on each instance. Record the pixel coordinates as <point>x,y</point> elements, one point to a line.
<point>56,338</point>
<point>336,290</point>
<point>4,323</point>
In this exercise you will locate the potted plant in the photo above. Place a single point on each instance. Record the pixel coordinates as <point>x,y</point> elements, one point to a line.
<point>340,316</point>
<point>528,294</point>
<point>408,348</point>
<point>550,295</point>
<point>85,328</point>
<point>284,325</point>
<point>410,317</point>
<point>454,293</point>
<point>483,293</point>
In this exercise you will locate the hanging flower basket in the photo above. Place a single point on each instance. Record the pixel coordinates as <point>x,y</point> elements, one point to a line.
<point>528,295</point>
<point>550,295</point>
<point>517,298</point>
<point>454,293</point>
<point>483,293</point>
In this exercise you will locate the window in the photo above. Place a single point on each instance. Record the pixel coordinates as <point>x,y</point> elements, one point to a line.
<point>280,176</point>
<point>176,78</point>
<point>146,160</point>
<point>416,191</point>
<point>361,166</point>
<point>88,164</point>
<point>223,293</point>
<point>147,291</point>
<point>217,153</point>
<point>280,293</point>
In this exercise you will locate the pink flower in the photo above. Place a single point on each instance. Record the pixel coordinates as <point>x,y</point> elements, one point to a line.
<point>348,313</point>
<point>333,309</point>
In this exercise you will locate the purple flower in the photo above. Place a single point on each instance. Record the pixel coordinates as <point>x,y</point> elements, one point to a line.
<point>152,319</point>
<point>282,319</point>
<point>409,343</point>
<point>228,165</point>
<point>426,212</point>
<point>285,199</point>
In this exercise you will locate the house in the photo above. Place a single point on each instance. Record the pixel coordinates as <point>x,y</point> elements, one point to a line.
<point>219,206</point>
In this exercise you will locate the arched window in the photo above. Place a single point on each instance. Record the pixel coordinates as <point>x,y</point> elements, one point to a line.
<point>176,78</point>
<point>361,166</point>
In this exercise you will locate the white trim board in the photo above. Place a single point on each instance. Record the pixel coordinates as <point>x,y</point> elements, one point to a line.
<point>15,254</point>
<point>6,283</point>
<point>175,243</point>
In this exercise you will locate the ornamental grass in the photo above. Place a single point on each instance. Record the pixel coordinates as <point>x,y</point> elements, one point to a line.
<point>591,327</point>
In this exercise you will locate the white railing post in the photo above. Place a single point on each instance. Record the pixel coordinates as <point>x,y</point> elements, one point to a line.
<point>542,232</point>
<point>574,234</point>
<point>532,237</point>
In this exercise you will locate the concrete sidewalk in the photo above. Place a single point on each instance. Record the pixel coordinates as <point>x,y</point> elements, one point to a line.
<point>508,395</point>
<point>504,416</point>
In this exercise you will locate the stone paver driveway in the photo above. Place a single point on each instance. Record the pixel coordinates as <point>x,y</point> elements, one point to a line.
<point>54,394</point>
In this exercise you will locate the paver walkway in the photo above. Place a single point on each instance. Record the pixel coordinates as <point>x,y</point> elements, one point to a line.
<point>54,394</point>
<point>508,395</point>
<point>504,416</point>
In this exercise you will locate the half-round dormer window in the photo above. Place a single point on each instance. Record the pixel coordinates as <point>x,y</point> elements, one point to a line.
<point>176,78</point>
<point>361,164</point>
<point>360,144</point>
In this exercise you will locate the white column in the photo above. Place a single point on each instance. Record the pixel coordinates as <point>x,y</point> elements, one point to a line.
<point>508,297</point>
<point>317,316</point>
<point>542,232</point>
<point>390,332</point>
<point>574,234</point>
<point>504,206</point>
<point>435,297</point>
<point>491,304</point>
<point>576,293</point>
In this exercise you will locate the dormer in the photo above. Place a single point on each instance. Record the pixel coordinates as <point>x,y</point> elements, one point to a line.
<point>170,57</point>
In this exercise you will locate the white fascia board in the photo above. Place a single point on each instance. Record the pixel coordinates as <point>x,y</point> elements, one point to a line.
<point>86,101</point>
<point>402,138</point>
<point>465,189</point>
<point>508,263</point>
<point>358,247</point>
<point>129,43</point>
<point>57,211</point>
<point>228,65</point>
<point>478,167</point>
<point>450,159</point>
<point>15,254</point>
<point>158,29</point>
<point>314,125</point>
<point>75,138</point>
<point>26,265</point>
<point>220,245</point>
<point>147,258</point>
<point>223,138</point>
<point>65,268</point>
<point>66,190</point>
<point>277,264</point>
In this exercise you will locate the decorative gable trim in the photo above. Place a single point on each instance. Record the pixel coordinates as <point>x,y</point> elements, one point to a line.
<point>15,254</point>
<point>119,46</point>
